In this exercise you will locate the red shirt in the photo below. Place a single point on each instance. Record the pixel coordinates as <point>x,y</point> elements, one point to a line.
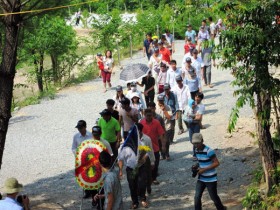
<point>188,46</point>
<point>100,65</point>
<point>165,54</point>
<point>153,130</point>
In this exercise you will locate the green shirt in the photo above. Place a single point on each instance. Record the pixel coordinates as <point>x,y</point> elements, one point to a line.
<point>109,129</point>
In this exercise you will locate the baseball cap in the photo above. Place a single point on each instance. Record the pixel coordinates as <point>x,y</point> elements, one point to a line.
<point>197,138</point>
<point>160,97</point>
<point>160,42</point>
<point>178,78</point>
<point>119,88</point>
<point>189,25</point>
<point>156,49</point>
<point>105,112</point>
<point>189,38</point>
<point>195,51</point>
<point>202,27</point>
<point>99,54</point>
<point>133,84</point>
<point>166,86</point>
<point>188,59</point>
<point>81,124</point>
<point>96,130</point>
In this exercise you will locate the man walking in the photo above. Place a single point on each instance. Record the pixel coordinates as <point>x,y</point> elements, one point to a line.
<point>81,136</point>
<point>183,94</point>
<point>146,45</point>
<point>170,99</point>
<point>172,72</point>
<point>154,130</point>
<point>207,174</point>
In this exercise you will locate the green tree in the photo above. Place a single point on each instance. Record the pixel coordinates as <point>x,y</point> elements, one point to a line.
<point>252,47</point>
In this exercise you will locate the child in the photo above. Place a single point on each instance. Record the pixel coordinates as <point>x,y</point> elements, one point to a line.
<point>135,103</point>
<point>112,186</point>
<point>100,63</point>
<point>189,45</point>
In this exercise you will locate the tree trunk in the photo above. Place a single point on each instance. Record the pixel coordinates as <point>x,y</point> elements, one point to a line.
<point>7,69</point>
<point>55,69</point>
<point>264,137</point>
<point>40,73</point>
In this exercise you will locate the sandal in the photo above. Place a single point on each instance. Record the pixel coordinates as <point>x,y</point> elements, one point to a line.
<point>145,204</point>
<point>134,206</point>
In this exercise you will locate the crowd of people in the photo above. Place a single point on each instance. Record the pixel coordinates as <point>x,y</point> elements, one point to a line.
<point>171,96</point>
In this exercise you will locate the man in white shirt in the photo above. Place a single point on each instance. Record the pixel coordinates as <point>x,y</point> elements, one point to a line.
<point>81,136</point>
<point>183,94</point>
<point>197,63</point>
<point>154,65</point>
<point>187,55</point>
<point>172,72</point>
<point>12,189</point>
<point>96,134</point>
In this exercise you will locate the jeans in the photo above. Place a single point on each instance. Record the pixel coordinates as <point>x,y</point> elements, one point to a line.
<point>193,128</point>
<point>180,122</point>
<point>212,190</point>
<point>207,75</point>
<point>155,170</point>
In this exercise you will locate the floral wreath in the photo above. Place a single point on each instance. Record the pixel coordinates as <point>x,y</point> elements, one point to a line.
<point>88,170</point>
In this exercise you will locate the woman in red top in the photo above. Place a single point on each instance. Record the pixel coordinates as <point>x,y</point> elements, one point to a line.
<point>189,45</point>
<point>165,53</point>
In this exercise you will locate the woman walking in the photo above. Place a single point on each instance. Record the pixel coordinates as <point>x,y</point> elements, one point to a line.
<point>108,69</point>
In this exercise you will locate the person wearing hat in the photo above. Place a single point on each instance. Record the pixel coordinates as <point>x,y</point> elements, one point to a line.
<point>172,72</point>
<point>197,63</point>
<point>191,79</point>
<point>117,98</point>
<point>112,186</point>
<point>165,53</point>
<point>203,34</point>
<point>12,188</point>
<point>110,103</point>
<point>162,77</point>
<point>171,100</point>
<point>190,33</point>
<point>149,89</point>
<point>165,112</point>
<point>183,94</point>
<point>110,130</point>
<point>207,174</point>
<point>133,90</point>
<point>81,136</point>
<point>153,45</point>
<point>189,54</point>
<point>136,104</point>
<point>154,65</point>
<point>96,134</point>
<point>128,116</point>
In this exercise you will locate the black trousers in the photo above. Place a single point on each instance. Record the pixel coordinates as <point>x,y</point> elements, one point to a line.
<point>155,170</point>
<point>149,98</point>
<point>137,182</point>
<point>114,150</point>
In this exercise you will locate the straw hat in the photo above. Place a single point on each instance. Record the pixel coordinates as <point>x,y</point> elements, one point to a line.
<point>12,186</point>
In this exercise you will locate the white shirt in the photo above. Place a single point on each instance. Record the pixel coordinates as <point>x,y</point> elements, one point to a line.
<point>107,145</point>
<point>197,64</point>
<point>128,157</point>
<point>10,204</point>
<point>184,59</point>
<point>212,28</point>
<point>78,139</point>
<point>130,93</point>
<point>171,77</point>
<point>154,63</point>
<point>146,141</point>
<point>183,94</point>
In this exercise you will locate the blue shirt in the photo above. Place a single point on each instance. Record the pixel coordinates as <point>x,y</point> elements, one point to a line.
<point>147,45</point>
<point>205,159</point>
<point>193,84</point>
<point>10,204</point>
<point>191,34</point>
<point>172,101</point>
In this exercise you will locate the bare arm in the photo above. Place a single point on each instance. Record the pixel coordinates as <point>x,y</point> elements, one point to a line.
<point>110,199</point>
<point>121,168</point>
<point>215,164</point>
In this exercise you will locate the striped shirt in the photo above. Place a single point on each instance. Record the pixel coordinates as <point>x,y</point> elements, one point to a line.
<point>205,160</point>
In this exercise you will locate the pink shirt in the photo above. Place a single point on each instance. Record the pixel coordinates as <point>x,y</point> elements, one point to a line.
<point>127,121</point>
